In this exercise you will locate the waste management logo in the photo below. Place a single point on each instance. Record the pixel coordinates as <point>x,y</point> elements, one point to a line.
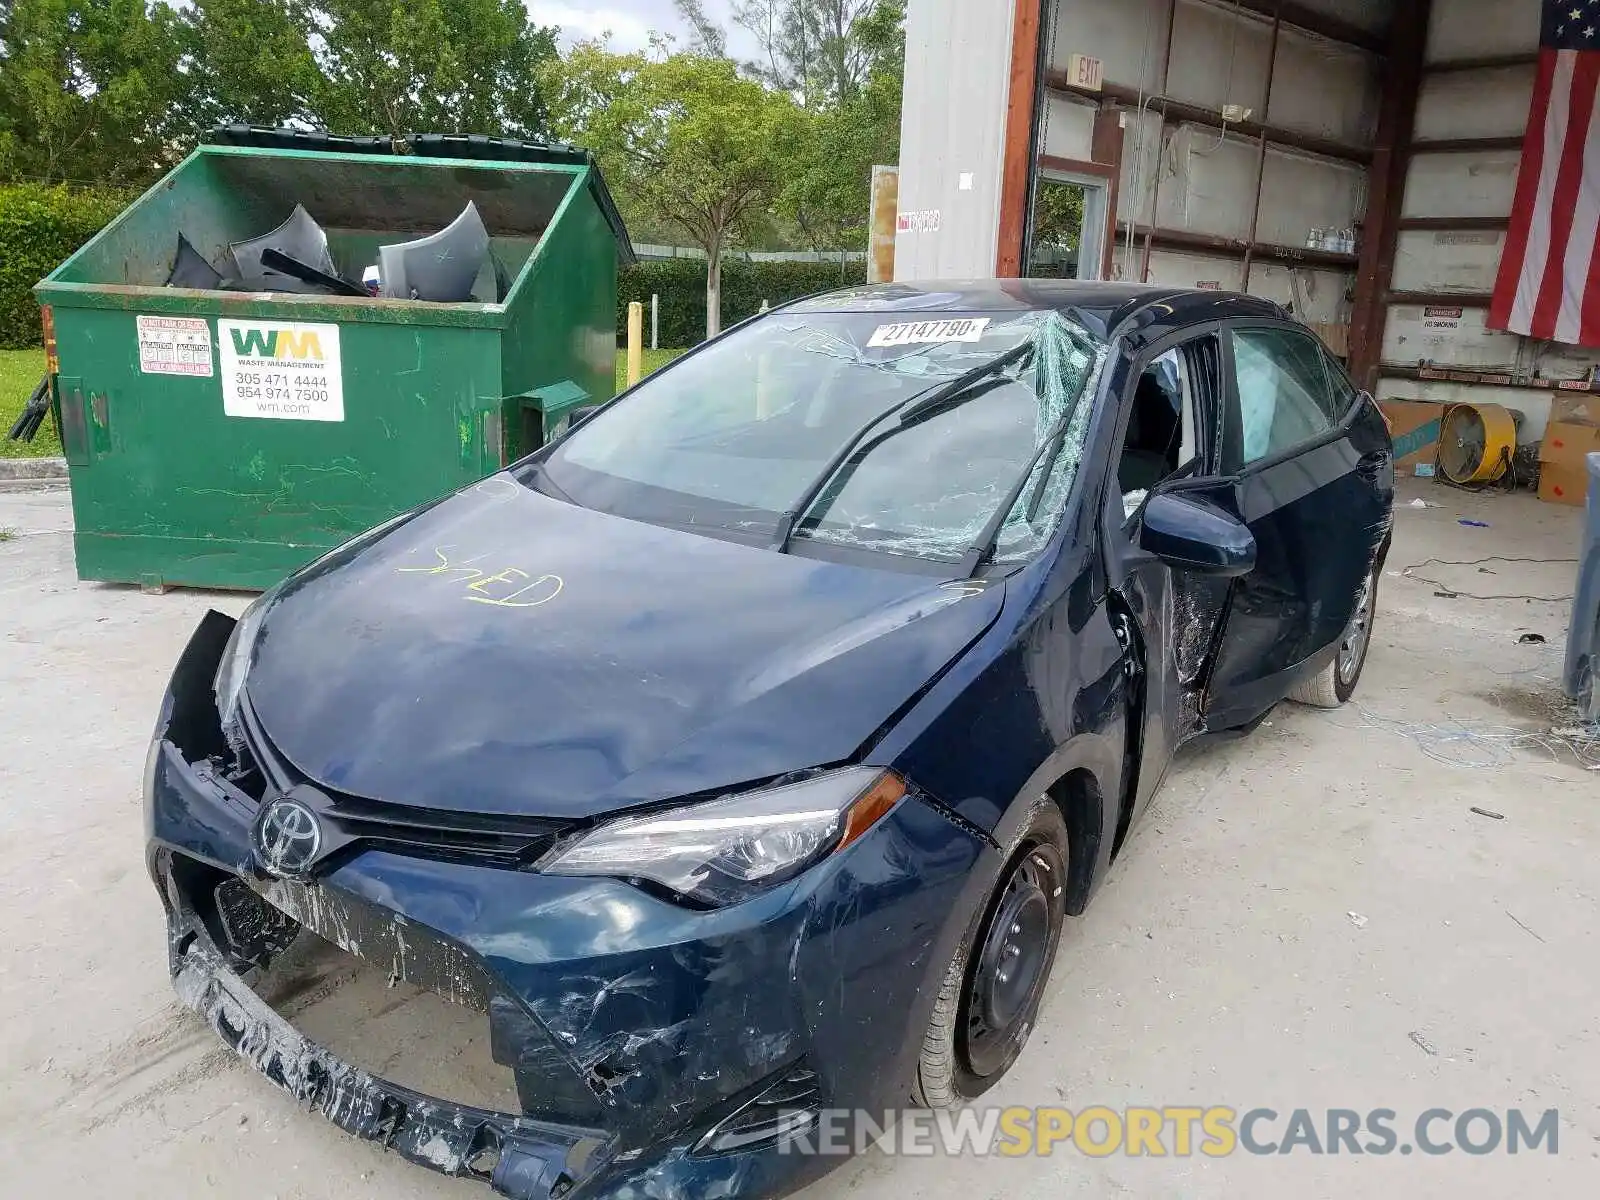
<point>281,370</point>
<point>258,342</point>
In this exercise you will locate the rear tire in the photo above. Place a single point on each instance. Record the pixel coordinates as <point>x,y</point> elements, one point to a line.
<point>1333,686</point>
<point>995,982</point>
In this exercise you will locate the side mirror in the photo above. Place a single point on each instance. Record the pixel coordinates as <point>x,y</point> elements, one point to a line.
<point>1194,535</point>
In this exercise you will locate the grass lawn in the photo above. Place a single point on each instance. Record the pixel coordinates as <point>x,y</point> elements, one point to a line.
<point>654,360</point>
<point>19,375</point>
<point>20,371</point>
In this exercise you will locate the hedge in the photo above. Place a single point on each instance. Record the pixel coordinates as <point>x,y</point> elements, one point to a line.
<point>681,284</point>
<point>39,228</point>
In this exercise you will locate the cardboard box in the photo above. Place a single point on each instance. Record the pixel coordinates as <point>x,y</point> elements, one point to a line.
<point>1414,425</point>
<point>1563,472</point>
<point>1560,484</point>
<point>1575,409</point>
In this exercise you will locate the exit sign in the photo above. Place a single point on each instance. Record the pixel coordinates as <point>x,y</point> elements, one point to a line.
<point>1085,72</point>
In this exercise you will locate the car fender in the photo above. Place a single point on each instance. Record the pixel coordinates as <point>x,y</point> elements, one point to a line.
<point>1083,778</point>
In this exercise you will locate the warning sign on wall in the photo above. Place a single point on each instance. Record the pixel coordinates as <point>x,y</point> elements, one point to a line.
<point>1442,318</point>
<point>174,346</point>
<point>281,370</point>
<point>925,220</point>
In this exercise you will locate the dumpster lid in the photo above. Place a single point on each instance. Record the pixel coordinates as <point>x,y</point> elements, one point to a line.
<point>470,146</point>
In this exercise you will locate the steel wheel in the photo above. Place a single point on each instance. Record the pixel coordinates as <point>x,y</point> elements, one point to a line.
<point>1012,965</point>
<point>998,973</point>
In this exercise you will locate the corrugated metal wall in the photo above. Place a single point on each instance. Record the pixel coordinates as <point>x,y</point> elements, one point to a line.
<point>1188,211</point>
<point>952,139</point>
<point>1449,269</point>
<point>1186,177</point>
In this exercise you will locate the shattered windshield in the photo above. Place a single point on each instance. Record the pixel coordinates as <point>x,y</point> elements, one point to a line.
<point>744,431</point>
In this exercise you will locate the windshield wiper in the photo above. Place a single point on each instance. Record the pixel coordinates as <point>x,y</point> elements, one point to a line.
<point>1048,453</point>
<point>1044,461</point>
<point>918,408</point>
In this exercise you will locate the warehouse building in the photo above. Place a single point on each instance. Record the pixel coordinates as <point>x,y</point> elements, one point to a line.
<point>1354,159</point>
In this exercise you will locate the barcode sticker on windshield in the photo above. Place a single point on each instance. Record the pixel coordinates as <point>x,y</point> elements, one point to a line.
<point>913,333</point>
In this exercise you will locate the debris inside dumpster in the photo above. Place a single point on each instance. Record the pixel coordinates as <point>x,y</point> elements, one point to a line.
<point>442,266</point>
<point>191,270</point>
<point>277,260</point>
<point>300,238</point>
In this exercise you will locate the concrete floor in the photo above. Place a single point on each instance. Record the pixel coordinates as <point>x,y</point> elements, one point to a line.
<point>1221,964</point>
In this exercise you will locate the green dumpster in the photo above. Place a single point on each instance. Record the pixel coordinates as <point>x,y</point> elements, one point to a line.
<point>223,438</point>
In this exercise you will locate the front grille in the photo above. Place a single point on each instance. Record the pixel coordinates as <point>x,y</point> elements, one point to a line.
<point>499,841</point>
<point>492,839</point>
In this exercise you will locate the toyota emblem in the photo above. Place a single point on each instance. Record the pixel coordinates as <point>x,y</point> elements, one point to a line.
<point>288,837</point>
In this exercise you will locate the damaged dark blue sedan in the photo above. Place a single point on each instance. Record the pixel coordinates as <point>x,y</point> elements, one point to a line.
<point>741,755</point>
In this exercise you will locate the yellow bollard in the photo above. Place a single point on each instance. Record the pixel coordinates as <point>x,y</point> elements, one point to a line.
<point>635,342</point>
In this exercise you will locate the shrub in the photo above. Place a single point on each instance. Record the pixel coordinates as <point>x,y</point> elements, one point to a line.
<point>39,228</point>
<point>681,284</point>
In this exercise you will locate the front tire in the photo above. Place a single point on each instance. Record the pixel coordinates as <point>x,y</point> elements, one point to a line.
<point>1333,686</point>
<point>996,981</point>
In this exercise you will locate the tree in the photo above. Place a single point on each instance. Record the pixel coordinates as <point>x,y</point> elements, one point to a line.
<point>253,61</point>
<point>827,192</point>
<point>812,48</point>
<point>706,36</point>
<point>1057,226</point>
<point>686,137</point>
<point>785,61</point>
<point>399,66</point>
<point>90,89</point>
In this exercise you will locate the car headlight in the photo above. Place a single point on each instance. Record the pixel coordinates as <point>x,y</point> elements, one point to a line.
<point>235,664</point>
<point>726,850</point>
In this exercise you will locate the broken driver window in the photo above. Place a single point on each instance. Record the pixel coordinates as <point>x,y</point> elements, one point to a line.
<point>1163,435</point>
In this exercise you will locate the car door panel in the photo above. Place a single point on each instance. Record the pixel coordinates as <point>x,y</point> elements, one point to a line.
<point>1178,617</point>
<point>1320,513</point>
<point>1175,615</point>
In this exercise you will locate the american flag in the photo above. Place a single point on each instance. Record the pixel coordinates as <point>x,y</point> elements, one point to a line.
<point>1549,283</point>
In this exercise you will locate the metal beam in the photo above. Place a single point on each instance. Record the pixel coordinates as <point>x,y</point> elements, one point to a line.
<point>1438,299</point>
<point>1386,187</point>
<point>1490,378</point>
<point>1161,139</point>
<point>1177,110</point>
<point>1222,247</point>
<point>1491,62</point>
<point>1261,151</point>
<point>1456,224</point>
<point>1466,145</point>
<point>1023,102</point>
<point>1303,16</point>
<point>1106,148</point>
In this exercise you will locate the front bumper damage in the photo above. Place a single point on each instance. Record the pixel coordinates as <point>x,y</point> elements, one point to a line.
<point>637,1031</point>
<point>521,1159</point>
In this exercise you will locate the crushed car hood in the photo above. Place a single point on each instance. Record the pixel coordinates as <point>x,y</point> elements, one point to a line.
<point>505,652</point>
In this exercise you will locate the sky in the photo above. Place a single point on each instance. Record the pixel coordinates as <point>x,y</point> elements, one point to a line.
<point>630,21</point>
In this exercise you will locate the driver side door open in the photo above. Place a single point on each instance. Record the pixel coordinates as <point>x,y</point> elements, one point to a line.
<point>1308,468</point>
<point>1169,437</point>
<point>1255,428</point>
